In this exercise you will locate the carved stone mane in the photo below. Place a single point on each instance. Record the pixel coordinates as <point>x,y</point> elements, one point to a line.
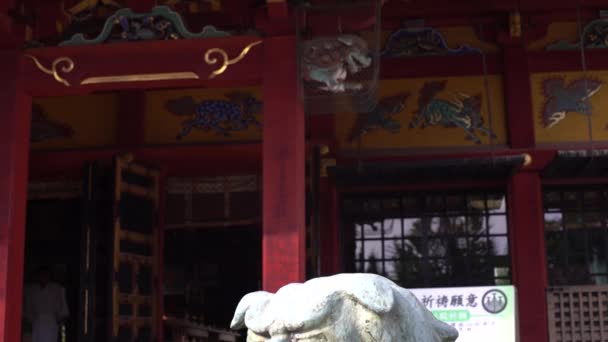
<point>345,307</point>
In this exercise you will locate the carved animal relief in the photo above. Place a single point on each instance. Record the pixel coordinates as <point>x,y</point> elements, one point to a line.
<point>237,113</point>
<point>462,111</point>
<point>381,118</point>
<point>562,98</point>
<point>344,307</point>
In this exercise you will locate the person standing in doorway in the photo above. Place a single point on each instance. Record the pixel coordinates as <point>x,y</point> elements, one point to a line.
<point>45,307</point>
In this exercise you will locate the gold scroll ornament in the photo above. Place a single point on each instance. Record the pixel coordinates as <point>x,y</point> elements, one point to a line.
<point>55,68</point>
<point>226,61</point>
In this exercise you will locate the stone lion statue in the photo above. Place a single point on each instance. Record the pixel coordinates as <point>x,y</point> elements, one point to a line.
<point>340,308</point>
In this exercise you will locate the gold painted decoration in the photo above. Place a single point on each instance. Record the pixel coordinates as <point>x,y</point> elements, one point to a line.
<point>168,76</point>
<point>226,61</point>
<point>63,64</point>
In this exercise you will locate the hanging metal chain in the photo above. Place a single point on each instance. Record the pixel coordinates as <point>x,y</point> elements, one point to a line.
<point>585,79</point>
<point>488,97</point>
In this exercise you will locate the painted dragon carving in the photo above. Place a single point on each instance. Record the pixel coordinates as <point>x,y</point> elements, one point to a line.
<point>463,111</point>
<point>236,113</point>
<point>330,61</point>
<point>382,117</point>
<point>424,41</point>
<point>594,36</point>
<point>562,98</point>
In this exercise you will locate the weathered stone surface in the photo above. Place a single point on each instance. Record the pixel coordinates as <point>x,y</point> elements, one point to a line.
<point>344,307</point>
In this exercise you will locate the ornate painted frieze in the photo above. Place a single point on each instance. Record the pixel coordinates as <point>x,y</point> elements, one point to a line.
<point>43,128</point>
<point>460,111</point>
<point>381,118</point>
<point>562,98</point>
<point>235,113</point>
<point>421,41</point>
<point>595,36</point>
<point>161,23</point>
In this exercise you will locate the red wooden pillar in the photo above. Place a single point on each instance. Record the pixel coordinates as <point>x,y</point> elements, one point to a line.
<point>284,231</point>
<point>528,255</point>
<point>518,95</point>
<point>15,108</point>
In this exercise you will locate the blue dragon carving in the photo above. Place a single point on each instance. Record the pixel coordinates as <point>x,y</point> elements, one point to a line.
<point>562,98</point>
<point>425,41</point>
<point>382,117</point>
<point>464,111</point>
<point>222,116</point>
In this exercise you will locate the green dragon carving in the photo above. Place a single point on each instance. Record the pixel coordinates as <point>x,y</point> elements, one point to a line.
<point>463,112</point>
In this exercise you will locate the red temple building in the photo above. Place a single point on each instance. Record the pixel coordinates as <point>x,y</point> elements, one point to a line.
<point>168,157</point>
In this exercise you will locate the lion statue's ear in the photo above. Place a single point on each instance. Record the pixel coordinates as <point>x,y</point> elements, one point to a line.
<point>372,291</point>
<point>252,305</point>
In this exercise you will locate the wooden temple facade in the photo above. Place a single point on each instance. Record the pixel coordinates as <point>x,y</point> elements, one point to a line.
<point>498,104</point>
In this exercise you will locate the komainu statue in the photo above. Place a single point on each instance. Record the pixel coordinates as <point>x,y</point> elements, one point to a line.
<point>340,308</point>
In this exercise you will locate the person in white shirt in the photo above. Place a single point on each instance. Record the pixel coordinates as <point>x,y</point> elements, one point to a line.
<point>45,307</point>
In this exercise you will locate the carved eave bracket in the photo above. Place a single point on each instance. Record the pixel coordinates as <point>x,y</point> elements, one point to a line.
<point>161,23</point>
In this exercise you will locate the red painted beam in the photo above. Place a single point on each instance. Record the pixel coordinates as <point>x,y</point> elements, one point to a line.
<point>183,161</point>
<point>277,9</point>
<point>284,231</point>
<point>14,148</point>
<point>138,58</point>
<point>141,6</point>
<point>564,61</point>
<point>552,5</point>
<point>439,66</point>
<point>540,157</point>
<point>529,264</point>
<point>415,9</point>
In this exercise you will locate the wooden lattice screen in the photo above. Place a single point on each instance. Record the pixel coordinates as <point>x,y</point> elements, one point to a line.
<point>213,201</point>
<point>578,314</point>
<point>135,292</point>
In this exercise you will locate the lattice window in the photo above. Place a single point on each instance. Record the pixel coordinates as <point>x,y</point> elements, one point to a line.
<point>429,239</point>
<point>213,201</point>
<point>578,314</point>
<point>576,235</point>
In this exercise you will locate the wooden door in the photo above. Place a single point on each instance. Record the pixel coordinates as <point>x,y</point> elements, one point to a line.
<point>93,230</point>
<point>135,255</point>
